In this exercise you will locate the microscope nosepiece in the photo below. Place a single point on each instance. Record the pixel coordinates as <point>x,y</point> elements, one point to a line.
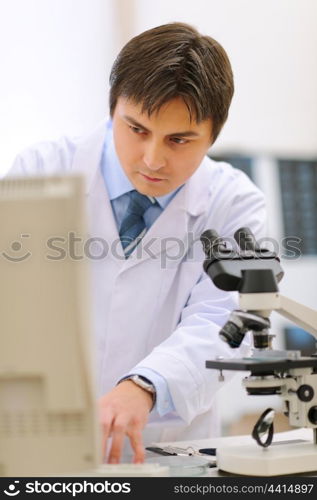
<point>232,334</point>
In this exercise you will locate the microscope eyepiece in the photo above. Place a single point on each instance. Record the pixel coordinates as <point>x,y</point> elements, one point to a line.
<point>210,235</point>
<point>246,240</point>
<point>211,242</point>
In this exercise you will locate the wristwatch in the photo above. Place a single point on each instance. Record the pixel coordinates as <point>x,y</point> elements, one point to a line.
<point>145,384</point>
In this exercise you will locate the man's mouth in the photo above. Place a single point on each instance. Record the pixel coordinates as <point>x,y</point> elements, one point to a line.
<point>152,179</point>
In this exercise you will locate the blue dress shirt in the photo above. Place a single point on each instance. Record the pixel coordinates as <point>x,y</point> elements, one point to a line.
<point>118,187</point>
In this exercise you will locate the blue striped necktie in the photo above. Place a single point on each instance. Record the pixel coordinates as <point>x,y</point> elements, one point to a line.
<point>133,227</point>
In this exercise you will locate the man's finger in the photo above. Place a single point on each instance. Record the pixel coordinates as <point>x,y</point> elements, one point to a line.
<point>137,445</point>
<point>106,432</point>
<point>119,430</point>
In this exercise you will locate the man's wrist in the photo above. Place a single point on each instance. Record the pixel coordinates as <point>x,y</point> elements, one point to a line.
<point>145,384</point>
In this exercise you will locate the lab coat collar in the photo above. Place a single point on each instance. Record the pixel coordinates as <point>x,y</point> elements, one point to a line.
<point>198,189</point>
<point>88,154</point>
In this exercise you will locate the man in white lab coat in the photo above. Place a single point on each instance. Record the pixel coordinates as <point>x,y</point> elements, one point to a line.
<point>157,315</point>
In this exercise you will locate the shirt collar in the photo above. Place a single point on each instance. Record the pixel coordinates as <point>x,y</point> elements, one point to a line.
<point>117,183</point>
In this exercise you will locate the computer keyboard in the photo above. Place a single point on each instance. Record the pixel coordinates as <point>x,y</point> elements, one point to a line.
<point>129,470</point>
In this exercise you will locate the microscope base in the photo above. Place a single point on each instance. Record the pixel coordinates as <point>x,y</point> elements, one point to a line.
<point>251,460</point>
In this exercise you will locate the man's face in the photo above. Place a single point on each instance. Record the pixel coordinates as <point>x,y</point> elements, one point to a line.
<point>159,153</point>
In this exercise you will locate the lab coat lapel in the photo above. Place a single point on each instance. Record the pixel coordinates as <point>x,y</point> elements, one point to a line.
<point>102,224</point>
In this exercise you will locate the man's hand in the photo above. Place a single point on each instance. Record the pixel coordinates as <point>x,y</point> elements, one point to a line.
<point>124,412</point>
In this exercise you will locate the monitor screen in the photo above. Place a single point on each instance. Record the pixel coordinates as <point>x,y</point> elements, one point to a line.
<point>297,339</point>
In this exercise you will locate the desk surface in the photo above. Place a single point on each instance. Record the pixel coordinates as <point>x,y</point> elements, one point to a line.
<point>302,434</point>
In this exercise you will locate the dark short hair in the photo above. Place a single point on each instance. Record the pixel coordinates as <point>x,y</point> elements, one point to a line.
<point>175,60</point>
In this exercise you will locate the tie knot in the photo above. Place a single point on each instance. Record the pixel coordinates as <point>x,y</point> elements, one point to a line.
<point>139,203</point>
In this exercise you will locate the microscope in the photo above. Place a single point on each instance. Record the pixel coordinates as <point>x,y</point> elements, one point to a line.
<point>255,273</point>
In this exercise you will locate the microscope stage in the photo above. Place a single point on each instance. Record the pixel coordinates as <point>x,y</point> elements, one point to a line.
<point>259,366</point>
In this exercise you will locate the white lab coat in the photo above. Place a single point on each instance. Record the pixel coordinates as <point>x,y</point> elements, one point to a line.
<point>163,316</point>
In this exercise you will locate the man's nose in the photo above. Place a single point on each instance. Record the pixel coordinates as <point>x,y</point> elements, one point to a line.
<point>154,157</point>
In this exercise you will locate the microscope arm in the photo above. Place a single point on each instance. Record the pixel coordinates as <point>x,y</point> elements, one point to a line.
<point>264,303</point>
<point>303,316</point>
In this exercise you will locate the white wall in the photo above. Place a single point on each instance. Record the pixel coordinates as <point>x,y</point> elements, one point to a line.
<point>55,59</point>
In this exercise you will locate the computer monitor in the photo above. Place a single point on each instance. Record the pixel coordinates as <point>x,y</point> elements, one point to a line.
<point>297,339</point>
<point>48,418</point>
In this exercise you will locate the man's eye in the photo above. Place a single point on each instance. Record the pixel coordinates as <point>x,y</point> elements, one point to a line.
<point>178,140</point>
<point>136,130</point>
